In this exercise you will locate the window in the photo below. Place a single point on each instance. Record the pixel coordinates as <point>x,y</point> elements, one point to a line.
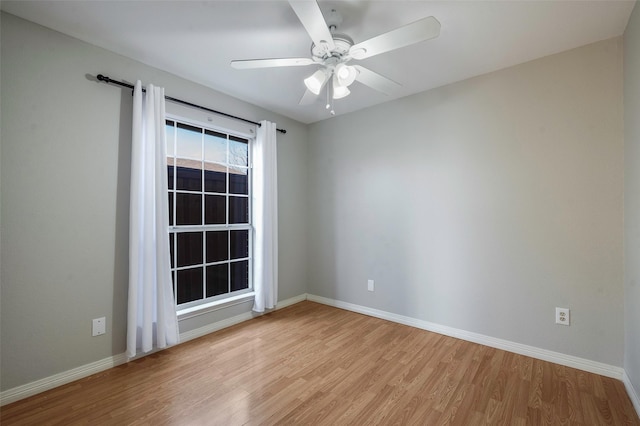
<point>209,180</point>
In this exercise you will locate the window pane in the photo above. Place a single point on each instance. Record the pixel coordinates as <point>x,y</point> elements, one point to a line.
<point>238,210</point>
<point>189,142</point>
<point>238,151</point>
<point>189,175</point>
<point>215,178</point>
<point>188,209</point>
<point>238,181</point>
<point>215,209</point>
<point>239,275</point>
<point>189,248</point>
<point>217,279</point>
<point>189,285</point>
<point>208,180</point>
<point>239,244</point>
<point>215,147</point>
<point>217,246</point>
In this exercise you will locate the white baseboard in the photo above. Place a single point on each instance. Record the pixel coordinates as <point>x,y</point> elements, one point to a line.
<point>33,388</point>
<point>631,391</point>
<point>24,391</point>
<point>543,354</point>
<point>38,386</point>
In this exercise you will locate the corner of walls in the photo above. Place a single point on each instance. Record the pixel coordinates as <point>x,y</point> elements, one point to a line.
<point>632,205</point>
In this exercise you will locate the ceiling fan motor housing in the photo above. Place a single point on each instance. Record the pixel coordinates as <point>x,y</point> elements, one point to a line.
<point>321,53</point>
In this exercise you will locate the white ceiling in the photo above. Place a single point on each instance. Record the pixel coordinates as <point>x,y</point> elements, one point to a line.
<point>197,40</point>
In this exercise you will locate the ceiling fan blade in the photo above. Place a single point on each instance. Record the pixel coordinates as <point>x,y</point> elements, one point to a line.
<point>308,98</point>
<point>269,63</point>
<point>376,81</point>
<point>418,31</point>
<point>311,17</point>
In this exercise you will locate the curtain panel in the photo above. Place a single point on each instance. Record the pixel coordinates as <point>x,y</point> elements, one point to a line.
<point>265,218</point>
<point>152,321</point>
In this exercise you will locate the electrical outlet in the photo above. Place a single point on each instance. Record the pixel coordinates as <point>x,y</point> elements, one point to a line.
<point>99,326</point>
<point>370,286</point>
<point>562,316</point>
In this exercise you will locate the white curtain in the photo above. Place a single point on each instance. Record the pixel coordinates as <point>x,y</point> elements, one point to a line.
<point>152,321</point>
<point>265,218</point>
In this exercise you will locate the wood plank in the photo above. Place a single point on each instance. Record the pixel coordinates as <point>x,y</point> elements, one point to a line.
<point>314,364</point>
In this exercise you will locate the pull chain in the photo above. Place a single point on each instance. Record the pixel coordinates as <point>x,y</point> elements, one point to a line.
<point>329,104</point>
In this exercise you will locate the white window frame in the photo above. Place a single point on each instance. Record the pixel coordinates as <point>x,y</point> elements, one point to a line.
<point>207,304</point>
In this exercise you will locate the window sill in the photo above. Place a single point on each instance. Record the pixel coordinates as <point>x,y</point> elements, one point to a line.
<point>214,306</point>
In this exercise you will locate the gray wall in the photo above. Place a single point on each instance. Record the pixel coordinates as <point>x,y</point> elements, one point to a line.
<point>483,205</point>
<point>64,185</point>
<point>632,198</point>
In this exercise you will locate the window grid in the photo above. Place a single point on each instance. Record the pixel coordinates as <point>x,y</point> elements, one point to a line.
<point>204,228</point>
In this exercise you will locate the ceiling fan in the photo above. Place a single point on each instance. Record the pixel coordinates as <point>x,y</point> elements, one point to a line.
<point>332,51</point>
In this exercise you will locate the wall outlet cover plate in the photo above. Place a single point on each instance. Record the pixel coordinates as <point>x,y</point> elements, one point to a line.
<point>562,316</point>
<point>99,326</point>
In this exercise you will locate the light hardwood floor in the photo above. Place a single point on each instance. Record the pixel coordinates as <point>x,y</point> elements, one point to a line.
<point>312,364</point>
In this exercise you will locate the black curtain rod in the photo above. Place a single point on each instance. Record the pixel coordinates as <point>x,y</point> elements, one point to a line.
<point>108,80</point>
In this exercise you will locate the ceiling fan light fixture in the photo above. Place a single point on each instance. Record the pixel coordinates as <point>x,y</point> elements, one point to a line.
<point>316,81</point>
<point>345,74</point>
<point>339,91</point>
